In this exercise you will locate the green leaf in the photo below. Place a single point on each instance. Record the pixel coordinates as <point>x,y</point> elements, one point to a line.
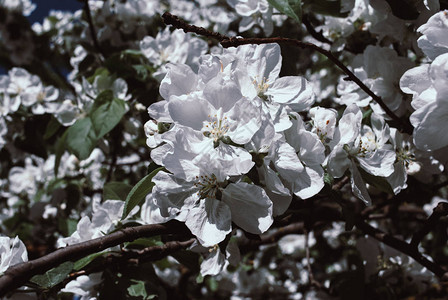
<point>291,8</point>
<point>104,97</point>
<point>67,226</point>
<point>81,263</point>
<point>139,192</point>
<point>53,276</point>
<point>107,116</point>
<point>116,190</point>
<point>139,290</point>
<point>131,52</point>
<point>98,72</point>
<point>52,127</point>
<point>145,242</point>
<point>81,139</point>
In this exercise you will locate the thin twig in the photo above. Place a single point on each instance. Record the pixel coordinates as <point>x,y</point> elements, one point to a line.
<point>92,28</point>
<point>439,211</point>
<point>403,247</point>
<point>251,245</point>
<point>308,262</point>
<point>317,35</point>
<point>227,42</point>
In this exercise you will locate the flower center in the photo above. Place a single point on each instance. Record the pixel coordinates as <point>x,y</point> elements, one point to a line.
<point>322,130</point>
<point>261,87</point>
<point>217,127</point>
<point>208,186</point>
<point>41,96</point>
<point>164,55</point>
<point>367,144</point>
<point>405,156</point>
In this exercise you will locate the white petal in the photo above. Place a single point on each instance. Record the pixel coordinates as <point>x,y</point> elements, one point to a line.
<point>292,90</point>
<point>213,264</point>
<point>338,161</point>
<point>210,221</point>
<point>381,163</point>
<point>250,206</point>
<point>358,184</point>
<point>287,162</point>
<point>350,124</point>
<point>309,182</point>
<point>190,112</point>
<point>179,80</point>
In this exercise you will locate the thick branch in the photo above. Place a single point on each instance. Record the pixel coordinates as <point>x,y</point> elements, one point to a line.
<point>439,211</point>
<point>402,247</point>
<point>135,257</point>
<point>227,42</point>
<point>19,274</point>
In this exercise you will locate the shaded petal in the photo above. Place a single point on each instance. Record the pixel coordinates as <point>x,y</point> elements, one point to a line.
<point>250,206</point>
<point>381,163</point>
<point>210,221</point>
<point>190,112</point>
<point>309,182</point>
<point>358,184</point>
<point>213,264</point>
<point>338,161</point>
<point>292,90</point>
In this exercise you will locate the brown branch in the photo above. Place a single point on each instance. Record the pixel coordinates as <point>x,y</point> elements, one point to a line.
<point>317,35</point>
<point>227,42</point>
<point>402,247</point>
<point>439,211</point>
<point>251,245</point>
<point>153,253</point>
<point>19,274</point>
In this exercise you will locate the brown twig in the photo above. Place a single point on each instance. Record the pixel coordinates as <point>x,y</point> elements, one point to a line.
<point>19,274</point>
<point>227,42</point>
<point>403,247</point>
<point>317,35</point>
<point>153,253</point>
<point>251,245</point>
<point>439,211</point>
<point>92,28</point>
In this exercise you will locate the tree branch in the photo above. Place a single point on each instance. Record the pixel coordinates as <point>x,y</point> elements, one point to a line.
<point>227,42</point>
<point>439,211</point>
<point>136,257</point>
<point>92,28</point>
<point>402,247</point>
<point>19,274</point>
<point>251,245</point>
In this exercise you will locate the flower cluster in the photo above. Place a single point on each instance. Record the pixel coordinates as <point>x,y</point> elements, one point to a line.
<point>109,120</point>
<point>428,85</point>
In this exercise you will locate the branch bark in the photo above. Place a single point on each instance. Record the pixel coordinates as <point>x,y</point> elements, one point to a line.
<point>19,274</point>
